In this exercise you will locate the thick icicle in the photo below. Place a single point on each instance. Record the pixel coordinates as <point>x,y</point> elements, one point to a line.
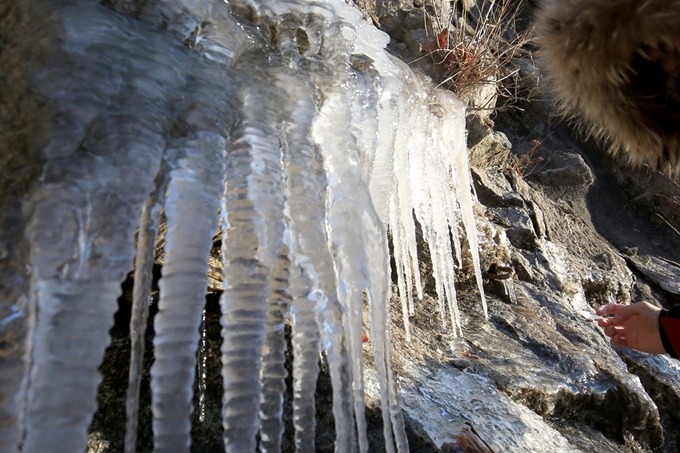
<point>146,241</point>
<point>252,250</point>
<point>72,281</point>
<point>191,211</point>
<point>305,338</point>
<point>99,165</point>
<point>339,148</point>
<point>306,186</point>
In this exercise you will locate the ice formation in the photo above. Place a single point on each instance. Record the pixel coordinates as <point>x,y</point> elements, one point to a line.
<point>284,124</point>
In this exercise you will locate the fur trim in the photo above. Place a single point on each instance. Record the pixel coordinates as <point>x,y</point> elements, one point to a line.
<point>593,55</point>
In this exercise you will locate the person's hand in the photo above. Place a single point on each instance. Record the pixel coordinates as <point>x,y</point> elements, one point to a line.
<point>633,326</point>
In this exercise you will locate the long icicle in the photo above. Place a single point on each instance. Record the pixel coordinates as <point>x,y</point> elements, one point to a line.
<point>191,211</point>
<point>141,293</point>
<point>72,281</point>
<point>330,130</point>
<point>307,187</point>
<point>252,251</point>
<point>378,301</point>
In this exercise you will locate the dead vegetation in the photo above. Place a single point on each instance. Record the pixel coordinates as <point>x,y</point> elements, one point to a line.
<point>528,163</point>
<point>476,47</point>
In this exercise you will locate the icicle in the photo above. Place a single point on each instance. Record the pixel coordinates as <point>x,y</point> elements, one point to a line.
<point>146,241</point>
<point>460,169</point>
<point>305,337</point>
<point>191,212</point>
<point>305,330</point>
<point>349,273</point>
<point>306,362</point>
<point>252,250</point>
<point>378,301</point>
<point>307,185</point>
<point>79,257</point>
<point>343,217</point>
<point>273,377</point>
<point>398,240</point>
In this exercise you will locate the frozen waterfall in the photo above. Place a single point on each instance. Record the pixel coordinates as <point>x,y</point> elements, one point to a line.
<point>284,125</point>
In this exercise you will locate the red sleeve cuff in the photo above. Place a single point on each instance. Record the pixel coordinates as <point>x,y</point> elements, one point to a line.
<point>669,329</point>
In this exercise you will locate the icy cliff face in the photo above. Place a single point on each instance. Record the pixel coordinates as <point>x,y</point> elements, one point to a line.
<point>285,124</point>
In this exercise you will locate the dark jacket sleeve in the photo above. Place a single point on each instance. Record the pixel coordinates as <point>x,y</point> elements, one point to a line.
<point>669,328</point>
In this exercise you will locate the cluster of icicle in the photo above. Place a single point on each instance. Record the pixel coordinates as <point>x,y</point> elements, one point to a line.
<point>304,145</point>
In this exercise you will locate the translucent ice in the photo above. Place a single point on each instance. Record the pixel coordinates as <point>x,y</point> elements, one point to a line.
<point>295,132</point>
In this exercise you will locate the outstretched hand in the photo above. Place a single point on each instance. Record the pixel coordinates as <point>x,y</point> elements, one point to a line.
<point>633,326</point>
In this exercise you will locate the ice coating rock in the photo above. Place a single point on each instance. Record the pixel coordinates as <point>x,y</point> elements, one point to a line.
<point>508,426</point>
<point>326,143</point>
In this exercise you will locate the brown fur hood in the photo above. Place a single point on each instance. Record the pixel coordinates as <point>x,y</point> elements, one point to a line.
<point>595,55</point>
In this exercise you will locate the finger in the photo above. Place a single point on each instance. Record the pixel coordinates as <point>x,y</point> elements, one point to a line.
<point>604,322</point>
<point>611,309</point>
<point>612,331</point>
<point>621,313</point>
<point>619,340</point>
<point>605,309</point>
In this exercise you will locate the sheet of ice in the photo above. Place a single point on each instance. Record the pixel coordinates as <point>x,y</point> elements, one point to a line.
<point>454,401</point>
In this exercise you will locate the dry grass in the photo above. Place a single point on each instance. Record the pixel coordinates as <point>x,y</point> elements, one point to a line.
<point>527,163</point>
<point>477,47</point>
